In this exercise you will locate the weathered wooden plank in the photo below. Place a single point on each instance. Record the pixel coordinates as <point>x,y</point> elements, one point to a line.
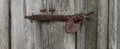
<point>117,4</point>
<point>66,40</point>
<point>87,35</point>
<point>40,35</point>
<point>102,24</point>
<point>4,24</point>
<point>91,26</point>
<point>114,24</point>
<point>80,35</point>
<point>19,32</point>
<point>51,35</point>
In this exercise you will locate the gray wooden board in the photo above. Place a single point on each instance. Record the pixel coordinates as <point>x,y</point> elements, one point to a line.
<point>28,34</point>
<point>114,24</point>
<point>80,35</point>
<point>118,23</point>
<point>87,36</point>
<point>102,35</point>
<point>19,33</point>
<point>4,24</point>
<point>51,35</point>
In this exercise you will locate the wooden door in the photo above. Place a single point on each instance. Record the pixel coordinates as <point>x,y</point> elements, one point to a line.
<point>27,34</point>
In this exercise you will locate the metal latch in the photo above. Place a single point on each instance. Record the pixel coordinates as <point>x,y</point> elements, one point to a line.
<point>72,24</point>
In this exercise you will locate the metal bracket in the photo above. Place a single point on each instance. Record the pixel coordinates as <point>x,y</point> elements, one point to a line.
<point>72,20</point>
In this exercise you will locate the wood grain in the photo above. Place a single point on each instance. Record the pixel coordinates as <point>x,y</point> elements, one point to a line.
<point>19,32</point>
<point>113,24</point>
<point>114,20</point>
<point>80,35</point>
<point>117,16</point>
<point>118,23</point>
<point>4,24</point>
<point>86,38</point>
<point>102,35</point>
<point>28,34</point>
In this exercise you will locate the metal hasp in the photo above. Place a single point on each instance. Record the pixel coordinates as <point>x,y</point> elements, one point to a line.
<point>72,24</point>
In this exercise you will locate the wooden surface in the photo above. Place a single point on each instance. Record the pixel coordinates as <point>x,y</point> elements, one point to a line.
<point>114,24</point>
<point>80,35</point>
<point>18,29</point>
<point>86,37</point>
<point>118,24</point>
<point>40,35</point>
<point>4,24</point>
<point>100,32</point>
<point>102,35</point>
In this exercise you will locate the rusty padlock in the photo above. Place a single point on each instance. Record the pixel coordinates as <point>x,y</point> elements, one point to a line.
<point>72,24</point>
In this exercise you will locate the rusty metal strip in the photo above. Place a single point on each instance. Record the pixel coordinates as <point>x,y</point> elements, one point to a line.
<point>72,20</point>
